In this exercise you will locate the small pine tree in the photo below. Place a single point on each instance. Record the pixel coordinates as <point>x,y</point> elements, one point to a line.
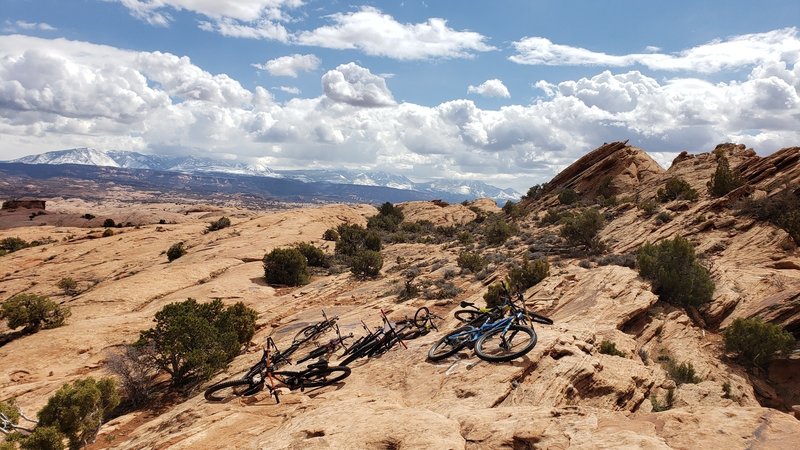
<point>68,285</point>
<point>528,275</point>
<point>497,230</point>
<point>582,228</point>
<point>473,262</point>
<point>330,235</point>
<point>78,409</point>
<point>676,188</point>
<point>219,224</point>
<point>43,438</point>
<point>568,197</point>
<point>367,263</point>
<point>756,341</point>
<point>724,179</point>
<point>33,312</point>
<point>109,223</point>
<point>676,275</point>
<point>315,256</point>
<point>12,244</point>
<point>286,266</point>
<point>108,232</point>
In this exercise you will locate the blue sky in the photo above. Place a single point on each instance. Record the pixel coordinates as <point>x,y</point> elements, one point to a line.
<point>507,91</point>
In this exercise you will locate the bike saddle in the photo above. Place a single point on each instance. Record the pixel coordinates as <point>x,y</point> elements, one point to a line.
<point>321,364</point>
<point>466,304</point>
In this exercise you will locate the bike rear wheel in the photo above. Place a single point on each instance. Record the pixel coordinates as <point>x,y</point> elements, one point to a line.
<point>421,317</point>
<point>470,316</point>
<point>450,344</point>
<point>226,390</point>
<point>498,346</point>
<point>313,378</point>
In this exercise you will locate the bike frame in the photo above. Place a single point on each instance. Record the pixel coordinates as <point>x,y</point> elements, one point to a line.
<point>475,333</point>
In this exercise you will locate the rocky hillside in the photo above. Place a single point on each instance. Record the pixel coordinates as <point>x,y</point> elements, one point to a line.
<point>564,393</point>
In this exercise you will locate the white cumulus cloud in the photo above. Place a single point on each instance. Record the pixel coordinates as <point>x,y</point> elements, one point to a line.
<point>731,53</point>
<point>490,88</point>
<point>352,84</point>
<point>290,89</point>
<point>12,27</point>
<point>290,66</point>
<point>379,34</point>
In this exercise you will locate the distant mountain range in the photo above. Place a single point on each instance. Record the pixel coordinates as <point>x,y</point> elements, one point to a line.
<point>449,190</point>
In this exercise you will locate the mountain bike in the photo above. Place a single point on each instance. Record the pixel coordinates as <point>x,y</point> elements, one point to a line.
<point>496,339</point>
<point>314,330</point>
<point>315,375</point>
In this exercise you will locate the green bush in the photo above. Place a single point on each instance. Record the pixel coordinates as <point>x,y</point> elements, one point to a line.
<point>33,312</point>
<point>648,207</point>
<point>78,409</point>
<point>494,295</point>
<point>682,373</point>
<point>568,197</point>
<point>582,228</point>
<point>527,275</point>
<point>109,223</point>
<point>782,210</point>
<point>756,341</point>
<point>68,285</point>
<point>330,235</point>
<point>605,188</point>
<point>108,232</point>
<point>676,276</point>
<point>175,251</point>
<point>473,262</point>
<point>388,218</point>
<point>222,222</point>
<point>676,188</point>
<point>12,244</point>
<point>367,263</point>
<point>315,256</point>
<point>536,191</point>
<point>724,179</point>
<point>194,340</point>
<point>43,438</point>
<point>668,401</point>
<point>497,230</point>
<point>513,210</point>
<point>610,348</point>
<point>286,266</point>
<point>354,238</point>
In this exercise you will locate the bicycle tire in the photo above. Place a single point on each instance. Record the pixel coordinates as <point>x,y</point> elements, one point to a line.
<point>538,318</point>
<point>469,315</point>
<point>314,377</point>
<point>305,334</point>
<point>225,390</point>
<point>447,345</point>
<point>483,347</point>
<point>422,316</point>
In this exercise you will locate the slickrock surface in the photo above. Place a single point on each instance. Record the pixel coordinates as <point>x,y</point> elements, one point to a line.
<point>563,394</point>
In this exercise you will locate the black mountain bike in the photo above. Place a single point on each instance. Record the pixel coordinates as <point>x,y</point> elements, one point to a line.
<point>265,371</point>
<point>314,330</point>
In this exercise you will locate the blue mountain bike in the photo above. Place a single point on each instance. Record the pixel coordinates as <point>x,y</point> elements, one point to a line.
<point>498,340</point>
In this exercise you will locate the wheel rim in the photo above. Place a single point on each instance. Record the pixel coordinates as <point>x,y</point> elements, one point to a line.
<point>500,345</point>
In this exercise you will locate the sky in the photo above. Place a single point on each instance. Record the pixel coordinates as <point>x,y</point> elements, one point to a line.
<point>505,91</point>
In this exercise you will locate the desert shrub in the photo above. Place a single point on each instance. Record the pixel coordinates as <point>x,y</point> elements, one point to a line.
<point>668,401</point>
<point>10,411</point>
<point>494,295</point>
<point>286,266</point>
<point>33,312</point>
<point>175,251</point>
<point>13,244</point>
<point>68,285</point>
<point>662,218</point>
<point>88,216</point>
<point>605,188</point>
<point>648,207</point>
<point>676,275</point>
<point>109,223</point>
<point>315,256</point>
<point>330,235</point>
<point>135,369</point>
<point>222,222</point>
<point>513,210</point>
<point>582,228</point>
<point>755,341</point>
<point>724,179</point>
<point>473,262</point>
<point>445,289</point>
<point>497,231</point>
<point>536,191</point>
<point>682,373</point>
<point>625,260</point>
<point>527,275</point>
<point>193,340</point>
<point>782,210</point>
<point>367,263</point>
<point>568,197</point>
<point>408,291</point>
<point>676,188</point>
<point>610,348</point>
<point>354,238</point>
<point>77,409</point>
<point>388,218</point>
<point>553,216</point>
<point>43,438</point>
<point>465,238</point>
<point>108,232</point>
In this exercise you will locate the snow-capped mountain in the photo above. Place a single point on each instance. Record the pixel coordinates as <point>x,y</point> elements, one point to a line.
<point>448,190</point>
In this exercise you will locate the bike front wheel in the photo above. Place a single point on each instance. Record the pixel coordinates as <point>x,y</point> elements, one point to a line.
<point>314,377</point>
<point>498,345</point>
<point>450,344</point>
<point>226,390</point>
